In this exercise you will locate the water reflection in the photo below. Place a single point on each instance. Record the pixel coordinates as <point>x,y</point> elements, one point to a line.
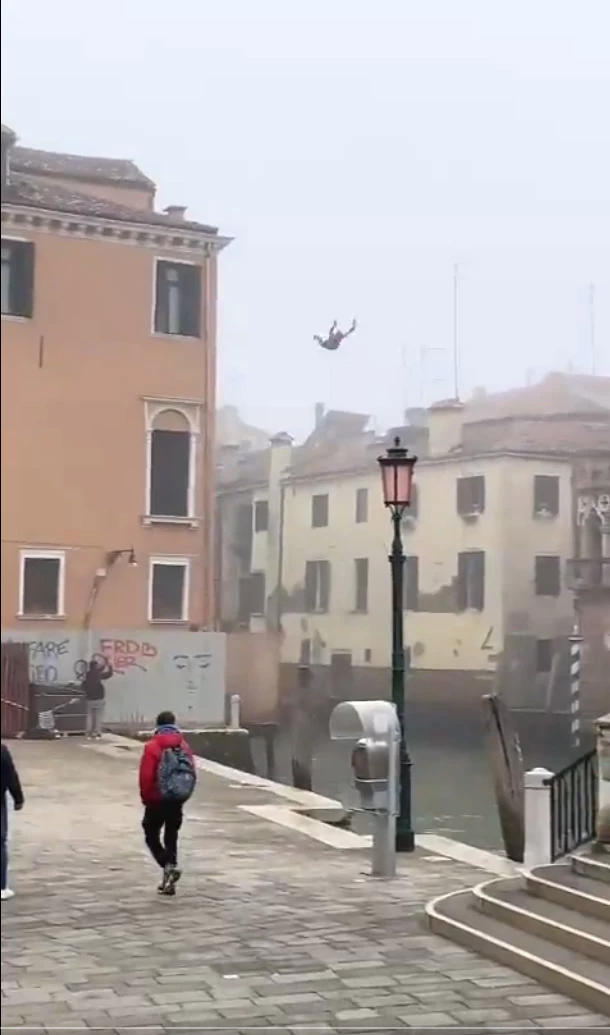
<point>452,790</point>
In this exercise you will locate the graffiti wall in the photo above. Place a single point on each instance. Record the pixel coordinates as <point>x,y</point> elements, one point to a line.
<point>184,671</point>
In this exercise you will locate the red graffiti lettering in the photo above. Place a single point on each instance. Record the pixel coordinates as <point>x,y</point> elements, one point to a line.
<point>125,654</point>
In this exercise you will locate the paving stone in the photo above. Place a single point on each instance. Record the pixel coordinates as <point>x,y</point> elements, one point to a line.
<point>488,1016</point>
<point>427,1020</point>
<point>87,941</point>
<point>575,1021</point>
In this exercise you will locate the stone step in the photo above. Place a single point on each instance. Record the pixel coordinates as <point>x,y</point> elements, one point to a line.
<point>508,900</point>
<point>456,916</point>
<point>595,868</point>
<point>560,883</point>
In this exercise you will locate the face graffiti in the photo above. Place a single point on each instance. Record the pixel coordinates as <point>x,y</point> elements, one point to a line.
<point>192,665</point>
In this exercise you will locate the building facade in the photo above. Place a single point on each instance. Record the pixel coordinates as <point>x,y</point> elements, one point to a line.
<point>589,576</point>
<point>108,398</point>
<point>488,537</point>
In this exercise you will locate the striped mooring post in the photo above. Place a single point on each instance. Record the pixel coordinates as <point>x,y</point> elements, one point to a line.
<point>575,662</point>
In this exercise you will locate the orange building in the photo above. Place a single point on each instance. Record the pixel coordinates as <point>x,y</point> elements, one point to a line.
<point>108,398</point>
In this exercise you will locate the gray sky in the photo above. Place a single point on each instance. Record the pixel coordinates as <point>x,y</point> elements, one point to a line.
<point>356,149</point>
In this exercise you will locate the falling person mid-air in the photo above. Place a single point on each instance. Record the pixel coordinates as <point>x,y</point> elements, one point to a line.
<point>334,337</point>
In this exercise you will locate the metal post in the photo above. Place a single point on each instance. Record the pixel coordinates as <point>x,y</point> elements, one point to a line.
<point>575,660</point>
<point>405,841</point>
<point>235,717</point>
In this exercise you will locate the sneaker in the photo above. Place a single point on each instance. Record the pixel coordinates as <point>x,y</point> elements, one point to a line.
<point>6,893</point>
<point>171,878</point>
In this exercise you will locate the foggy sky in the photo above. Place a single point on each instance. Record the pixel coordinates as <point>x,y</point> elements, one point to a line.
<point>356,149</point>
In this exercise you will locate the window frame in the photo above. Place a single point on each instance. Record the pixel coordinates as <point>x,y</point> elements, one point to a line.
<point>43,555</point>
<point>460,483</point>
<point>366,567</point>
<point>362,493</point>
<point>169,561</point>
<point>540,651</point>
<point>410,595</point>
<point>259,574</point>
<point>320,496</point>
<point>542,511</point>
<point>22,317</point>
<point>481,554</point>
<point>258,504</point>
<point>190,409</point>
<point>323,608</point>
<point>172,261</point>
<point>556,569</point>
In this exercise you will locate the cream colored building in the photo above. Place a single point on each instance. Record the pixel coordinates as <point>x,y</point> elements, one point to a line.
<point>487,541</point>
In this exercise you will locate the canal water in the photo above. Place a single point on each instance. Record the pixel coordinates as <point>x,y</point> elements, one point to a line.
<point>452,788</point>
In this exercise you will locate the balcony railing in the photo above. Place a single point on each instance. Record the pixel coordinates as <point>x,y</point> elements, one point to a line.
<point>573,805</point>
<point>588,573</point>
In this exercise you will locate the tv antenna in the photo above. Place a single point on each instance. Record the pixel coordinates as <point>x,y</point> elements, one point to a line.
<point>592,327</point>
<point>456,346</point>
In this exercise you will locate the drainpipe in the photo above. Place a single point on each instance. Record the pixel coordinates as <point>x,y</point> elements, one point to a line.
<point>280,558</point>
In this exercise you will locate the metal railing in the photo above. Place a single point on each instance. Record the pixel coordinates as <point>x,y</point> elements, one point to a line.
<point>573,805</point>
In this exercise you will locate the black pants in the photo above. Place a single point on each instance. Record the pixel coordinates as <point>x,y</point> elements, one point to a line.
<point>166,817</point>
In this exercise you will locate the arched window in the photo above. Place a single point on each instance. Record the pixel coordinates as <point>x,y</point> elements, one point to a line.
<point>170,465</point>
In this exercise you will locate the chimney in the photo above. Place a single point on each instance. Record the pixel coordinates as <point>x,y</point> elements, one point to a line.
<point>8,140</point>
<point>319,414</point>
<point>175,212</point>
<point>445,420</point>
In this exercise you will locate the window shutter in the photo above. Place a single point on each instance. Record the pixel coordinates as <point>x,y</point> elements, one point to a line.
<point>324,585</point>
<point>22,302</point>
<point>411,589</point>
<point>461,502</point>
<point>478,580</point>
<point>460,587</point>
<point>310,585</point>
<point>190,283</point>
<point>161,309</point>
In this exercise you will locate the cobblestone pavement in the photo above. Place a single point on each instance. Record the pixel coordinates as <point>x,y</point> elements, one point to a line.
<point>269,929</point>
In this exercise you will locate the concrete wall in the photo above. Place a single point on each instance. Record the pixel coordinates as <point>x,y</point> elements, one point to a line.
<point>253,666</point>
<point>74,424</point>
<point>153,670</point>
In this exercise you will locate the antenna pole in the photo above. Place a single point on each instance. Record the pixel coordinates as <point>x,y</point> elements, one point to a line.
<point>592,326</point>
<point>456,385</point>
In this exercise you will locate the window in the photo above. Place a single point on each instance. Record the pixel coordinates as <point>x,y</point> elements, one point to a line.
<point>368,655</point>
<point>411,583</point>
<point>471,581</point>
<point>251,595</point>
<point>361,573</point>
<point>319,511</point>
<point>471,495</point>
<point>169,590</point>
<point>362,506</point>
<point>546,495</point>
<point>257,593</point>
<point>547,576</point>
<point>42,584</point>
<point>261,516</point>
<point>544,655</point>
<point>178,299</point>
<point>317,585</point>
<point>171,490</point>
<point>17,284</point>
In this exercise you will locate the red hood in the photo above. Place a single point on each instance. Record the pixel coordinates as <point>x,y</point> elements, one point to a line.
<point>169,739</point>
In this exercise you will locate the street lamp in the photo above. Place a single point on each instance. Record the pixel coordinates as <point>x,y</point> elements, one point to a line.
<point>397,480</point>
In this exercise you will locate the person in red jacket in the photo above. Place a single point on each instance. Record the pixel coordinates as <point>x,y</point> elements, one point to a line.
<point>167,780</point>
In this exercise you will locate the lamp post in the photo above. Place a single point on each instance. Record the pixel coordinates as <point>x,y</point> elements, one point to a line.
<point>397,480</point>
